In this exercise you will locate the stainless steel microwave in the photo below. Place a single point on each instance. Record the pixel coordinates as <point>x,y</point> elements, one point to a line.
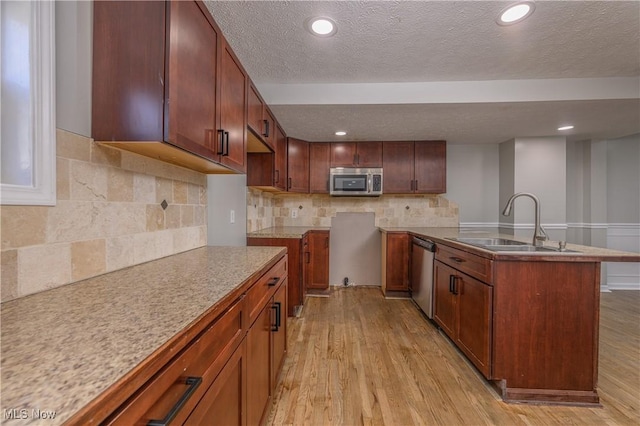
<point>352,182</point>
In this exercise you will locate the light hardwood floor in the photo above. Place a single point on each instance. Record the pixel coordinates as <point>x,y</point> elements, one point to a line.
<point>356,358</point>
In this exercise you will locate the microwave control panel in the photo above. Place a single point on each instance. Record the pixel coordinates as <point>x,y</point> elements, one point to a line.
<point>377,183</point>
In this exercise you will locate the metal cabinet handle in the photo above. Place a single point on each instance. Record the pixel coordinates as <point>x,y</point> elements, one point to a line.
<point>289,187</point>
<point>221,141</point>
<point>451,280</point>
<point>455,285</point>
<point>457,259</point>
<point>277,178</point>
<point>277,307</point>
<point>416,185</point>
<point>226,136</point>
<point>273,281</point>
<point>266,128</point>
<point>192,384</point>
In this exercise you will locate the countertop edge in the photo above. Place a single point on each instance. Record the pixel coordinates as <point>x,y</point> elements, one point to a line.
<point>103,405</point>
<point>604,255</point>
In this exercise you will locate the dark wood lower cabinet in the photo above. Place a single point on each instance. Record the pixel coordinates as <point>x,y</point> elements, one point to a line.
<point>224,402</point>
<point>463,310</point>
<point>528,325</point>
<point>296,290</point>
<point>395,262</point>
<point>316,260</point>
<point>259,360</point>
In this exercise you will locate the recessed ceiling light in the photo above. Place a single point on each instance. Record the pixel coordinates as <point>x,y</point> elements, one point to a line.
<point>565,128</point>
<point>340,133</point>
<point>321,26</point>
<point>516,13</point>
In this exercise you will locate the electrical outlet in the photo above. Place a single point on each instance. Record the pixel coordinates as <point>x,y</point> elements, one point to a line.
<point>294,213</point>
<point>232,216</point>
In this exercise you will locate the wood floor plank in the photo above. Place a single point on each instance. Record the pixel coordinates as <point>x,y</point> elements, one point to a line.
<point>356,358</point>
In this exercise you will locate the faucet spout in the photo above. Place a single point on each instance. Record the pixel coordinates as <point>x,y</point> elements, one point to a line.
<point>539,234</point>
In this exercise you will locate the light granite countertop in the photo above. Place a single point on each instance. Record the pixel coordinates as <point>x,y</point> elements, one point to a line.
<point>63,347</point>
<point>285,231</point>
<point>582,253</point>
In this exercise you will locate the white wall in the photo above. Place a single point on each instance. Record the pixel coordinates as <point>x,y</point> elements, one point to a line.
<point>472,179</point>
<point>623,208</point>
<point>226,193</point>
<point>74,35</point>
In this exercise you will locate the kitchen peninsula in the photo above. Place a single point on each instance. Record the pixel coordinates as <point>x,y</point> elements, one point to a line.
<point>528,321</point>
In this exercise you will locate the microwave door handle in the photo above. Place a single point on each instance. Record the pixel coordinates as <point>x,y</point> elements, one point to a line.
<point>369,183</point>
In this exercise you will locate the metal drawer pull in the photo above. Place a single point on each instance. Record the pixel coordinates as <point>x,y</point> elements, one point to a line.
<point>273,281</point>
<point>457,259</point>
<point>193,383</point>
<point>277,306</point>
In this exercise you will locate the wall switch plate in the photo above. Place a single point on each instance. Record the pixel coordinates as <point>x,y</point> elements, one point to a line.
<point>294,213</point>
<point>232,216</point>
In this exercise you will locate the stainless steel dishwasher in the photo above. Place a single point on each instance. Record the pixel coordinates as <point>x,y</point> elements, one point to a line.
<point>422,256</point>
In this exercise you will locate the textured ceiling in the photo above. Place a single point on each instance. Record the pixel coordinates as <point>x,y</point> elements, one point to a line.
<point>427,41</point>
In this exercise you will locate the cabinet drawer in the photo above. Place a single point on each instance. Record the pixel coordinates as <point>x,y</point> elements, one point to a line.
<point>265,287</point>
<point>476,266</point>
<point>179,386</point>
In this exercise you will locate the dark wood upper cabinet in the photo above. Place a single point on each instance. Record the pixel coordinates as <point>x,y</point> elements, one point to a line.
<point>164,77</point>
<point>192,80</point>
<point>430,167</point>
<point>255,106</point>
<point>233,105</point>
<point>356,154</point>
<point>414,167</point>
<point>319,159</point>
<point>298,165</point>
<point>280,173</point>
<point>397,165</point>
<point>260,119</point>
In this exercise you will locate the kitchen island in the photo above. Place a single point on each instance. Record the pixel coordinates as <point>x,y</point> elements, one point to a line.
<point>79,351</point>
<point>527,320</point>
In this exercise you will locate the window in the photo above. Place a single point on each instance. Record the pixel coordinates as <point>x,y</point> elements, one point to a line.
<point>28,160</point>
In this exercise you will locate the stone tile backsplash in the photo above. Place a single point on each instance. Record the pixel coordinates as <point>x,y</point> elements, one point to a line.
<point>265,209</point>
<point>107,217</point>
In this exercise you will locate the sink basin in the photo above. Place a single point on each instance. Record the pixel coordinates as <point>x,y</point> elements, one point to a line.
<point>506,245</point>
<point>490,241</point>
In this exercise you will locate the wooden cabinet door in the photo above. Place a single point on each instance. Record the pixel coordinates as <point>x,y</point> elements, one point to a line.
<point>444,303</point>
<point>397,162</point>
<point>233,104</point>
<point>298,166</point>
<point>259,366</point>
<point>191,84</point>
<point>430,167</point>
<point>280,167</point>
<point>319,164</point>
<point>343,154</point>
<point>255,107</point>
<point>369,154</point>
<point>269,128</point>
<point>398,246</point>
<point>316,260</point>
<point>224,402</point>
<point>121,67</point>
<point>279,335</point>
<point>474,320</point>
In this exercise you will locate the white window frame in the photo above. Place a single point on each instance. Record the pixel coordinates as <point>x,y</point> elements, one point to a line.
<point>43,190</point>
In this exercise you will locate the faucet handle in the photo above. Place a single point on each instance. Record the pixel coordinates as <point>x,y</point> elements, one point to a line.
<point>562,245</point>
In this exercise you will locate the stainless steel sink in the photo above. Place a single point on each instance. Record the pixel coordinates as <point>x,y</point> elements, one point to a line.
<point>511,246</point>
<point>490,241</point>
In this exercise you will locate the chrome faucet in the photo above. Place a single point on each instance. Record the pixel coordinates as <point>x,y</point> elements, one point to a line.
<point>539,235</point>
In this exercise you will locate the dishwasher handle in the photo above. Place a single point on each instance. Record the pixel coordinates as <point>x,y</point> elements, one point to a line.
<point>425,244</point>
